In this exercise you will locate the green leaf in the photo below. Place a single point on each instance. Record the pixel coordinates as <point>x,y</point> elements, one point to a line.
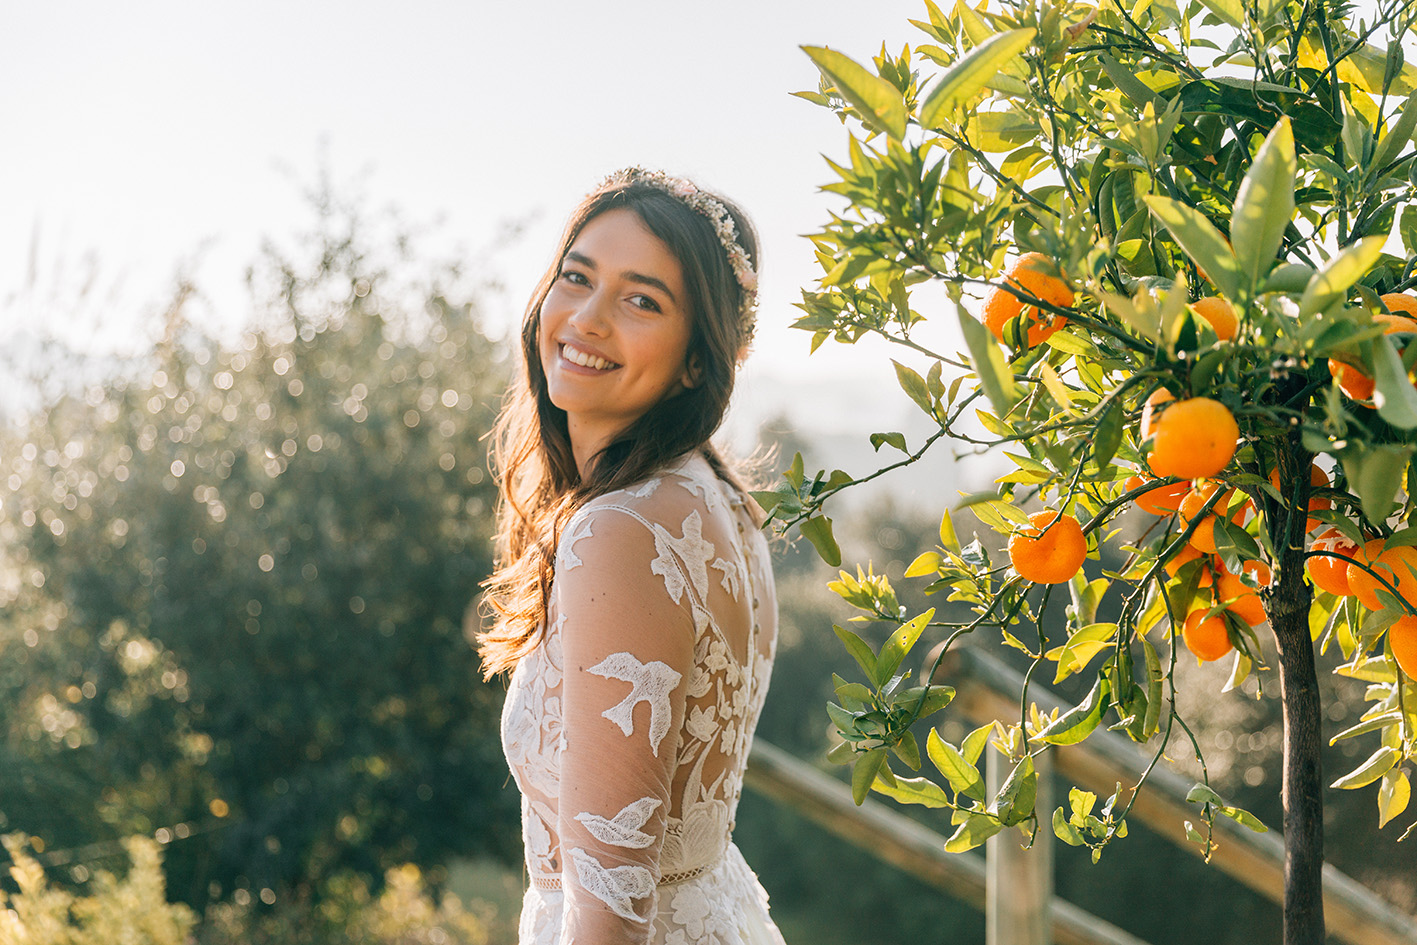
<point>1231,11</point>
<point>1130,86</point>
<point>875,98</point>
<point>1082,647</point>
<point>1077,723</point>
<point>819,532</point>
<point>1265,204</point>
<point>1244,818</point>
<point>864,774</point>
<point>1334,280</point>
<point>859,650</point>
<point>1393,795</point>
<point>963,777</point>
<point>1064,830</point>
<point>989,362</point>
<point>976,829</point>
<point>1377,765</point>
<point>908,750</point>
<point>899,644</point>
<point>1203,794</point>
<point>1393,393</point>
<point>967,76</point>
<point>936,699</point>
<point>1397,137</point>
<point>1108,436</point>
<point>891,439</point>
<point>1014,803</point>
<point>948,539</point>
<point>921,791</point>
<point>914,386</point>
<point>928,562</point>
<point>1201,241</point>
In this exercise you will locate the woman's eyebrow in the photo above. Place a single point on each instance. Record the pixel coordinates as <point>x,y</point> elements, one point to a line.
<point>641,278</point>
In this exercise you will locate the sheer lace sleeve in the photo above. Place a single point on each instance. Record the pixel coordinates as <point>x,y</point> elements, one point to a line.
<point>628,643</point>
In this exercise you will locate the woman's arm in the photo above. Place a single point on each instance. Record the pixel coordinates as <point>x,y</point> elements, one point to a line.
<point>628,647</point>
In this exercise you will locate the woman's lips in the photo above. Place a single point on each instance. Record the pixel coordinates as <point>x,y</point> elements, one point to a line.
<point>585,358</point>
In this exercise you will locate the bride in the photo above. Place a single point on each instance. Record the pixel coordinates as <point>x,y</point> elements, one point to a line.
<point>633,600</point>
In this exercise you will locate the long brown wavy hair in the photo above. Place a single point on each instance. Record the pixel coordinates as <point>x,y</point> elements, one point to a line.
<point>540,484</point>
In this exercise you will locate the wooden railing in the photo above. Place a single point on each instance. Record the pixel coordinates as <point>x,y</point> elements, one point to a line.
<point>987,689</point>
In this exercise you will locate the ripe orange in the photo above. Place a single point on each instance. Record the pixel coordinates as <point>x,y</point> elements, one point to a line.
<point>1239,598</point>
<point>1259,571</point>
<point>1194,439</point>
<point>1220,314</point>
<point>1331,574</point>
<point>1160,499</point>
<point>1203,537</point>
<point>1351,379</point>
<point>1401,302</point>
<point>1037,275</point>
<point>1402,637</point>
<point>1182,558</point>
<point>1396,565</point>
<point>1051,551</point>
<point>1207,637</point>
<point>1152,410</point>
<point>1354,383</point>
<point>1318,479</point>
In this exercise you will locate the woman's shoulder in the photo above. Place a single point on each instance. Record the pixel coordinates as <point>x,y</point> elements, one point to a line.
<point>684,488</point>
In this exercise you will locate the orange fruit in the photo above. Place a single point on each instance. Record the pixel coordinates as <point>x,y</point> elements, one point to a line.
<point>1182,558</point>
<point>1204,535</point>
<point>1331,574</point>
<point>1352,380</point>
<point>1259,571</point>
<point>1207,637</point>
<point>1318,479</point>
<point>1037,275</point>
<point>1397,567</point>
<point>1354,383</point>
<point>1402,637</point>
<point>1152,410</point>
<point>1194,439</point>
<point>1220,314</point>
<point>1051,551</point>
<point>1158,499</point>
<point>1239,598</point>
<point>1400,302</point>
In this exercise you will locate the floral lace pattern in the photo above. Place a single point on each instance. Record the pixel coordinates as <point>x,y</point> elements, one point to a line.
<point>627,729</point>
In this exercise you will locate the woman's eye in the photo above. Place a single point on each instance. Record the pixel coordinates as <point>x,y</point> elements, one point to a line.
<point>575,278</point>
<point>646,303</point>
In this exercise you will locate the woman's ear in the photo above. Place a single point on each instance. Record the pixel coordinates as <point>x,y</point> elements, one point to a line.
<point>693,371</point>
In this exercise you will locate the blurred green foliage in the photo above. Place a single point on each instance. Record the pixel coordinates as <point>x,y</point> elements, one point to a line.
<point>131,909</point>
<point>233,583</point>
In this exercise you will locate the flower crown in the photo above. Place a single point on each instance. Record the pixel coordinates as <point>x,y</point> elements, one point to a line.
<point>713,210</point>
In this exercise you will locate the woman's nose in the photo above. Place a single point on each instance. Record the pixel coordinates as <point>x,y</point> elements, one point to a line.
<point>592,315</point>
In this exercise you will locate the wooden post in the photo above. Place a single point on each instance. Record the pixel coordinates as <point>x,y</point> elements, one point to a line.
<point>1019,882</point>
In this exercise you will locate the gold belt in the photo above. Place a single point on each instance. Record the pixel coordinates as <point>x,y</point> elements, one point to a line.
<point>669,879</point>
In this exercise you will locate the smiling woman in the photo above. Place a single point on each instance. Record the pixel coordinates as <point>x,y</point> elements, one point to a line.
<point>634,600</point>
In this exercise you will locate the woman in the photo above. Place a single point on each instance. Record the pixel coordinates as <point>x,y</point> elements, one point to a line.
<point>633,599</point>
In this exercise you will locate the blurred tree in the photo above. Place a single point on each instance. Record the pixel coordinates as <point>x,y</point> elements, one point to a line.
<point>233,580</point>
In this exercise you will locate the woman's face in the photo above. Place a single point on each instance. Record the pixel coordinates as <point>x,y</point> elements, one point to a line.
<point>614,334</point>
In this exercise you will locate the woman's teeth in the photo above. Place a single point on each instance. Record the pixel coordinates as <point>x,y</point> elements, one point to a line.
<point>585,359</point>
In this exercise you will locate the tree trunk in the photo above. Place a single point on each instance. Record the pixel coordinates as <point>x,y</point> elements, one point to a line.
<point>1287,606</point>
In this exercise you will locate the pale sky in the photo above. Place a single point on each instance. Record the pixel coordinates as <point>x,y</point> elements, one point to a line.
<point>145,131</point>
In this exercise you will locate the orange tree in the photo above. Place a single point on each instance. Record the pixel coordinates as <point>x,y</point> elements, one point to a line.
<point>1175,222</point>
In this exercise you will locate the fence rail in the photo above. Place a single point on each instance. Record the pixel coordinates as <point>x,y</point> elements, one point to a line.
<point>987,689</point>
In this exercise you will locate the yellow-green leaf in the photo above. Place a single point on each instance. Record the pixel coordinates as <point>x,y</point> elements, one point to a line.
<point>1265,204</point>
<point>1334,280</point>
<point>1201,241</point>
<point>1393,795</point>
<point>879,102</point>
<point>967,76</point>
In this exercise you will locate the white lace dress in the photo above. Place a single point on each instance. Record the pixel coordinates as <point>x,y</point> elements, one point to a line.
<point>627,729</point>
